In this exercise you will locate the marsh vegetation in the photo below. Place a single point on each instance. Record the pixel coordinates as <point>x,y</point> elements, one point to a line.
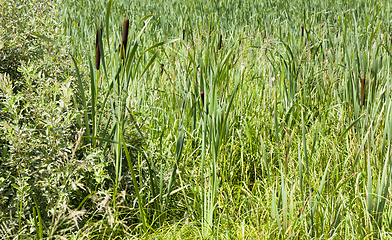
<point>198,119</point>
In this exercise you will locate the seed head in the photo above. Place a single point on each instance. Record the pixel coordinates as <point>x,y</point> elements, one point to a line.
<point>363,91</point>
<point>124,37</point>
<point>220,42</point>
<point>202,97</point>
<point>97,51</point>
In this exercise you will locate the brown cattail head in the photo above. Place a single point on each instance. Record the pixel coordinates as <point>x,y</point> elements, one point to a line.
<point>202,100</point>
<point>97,52</point>
<point>220,42</point>
<point>183,34</point>
<point>124,37</point>
<point>337,33</point>
<point>162,68</point>
<point>363,91</point>
<point>202,97</point>
<point>302,30</point>
<point>265,35</point>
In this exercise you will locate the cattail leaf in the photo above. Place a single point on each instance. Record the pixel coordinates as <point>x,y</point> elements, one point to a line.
<point>108,10</point>
<point>161,44</point>
<point>46,39</point>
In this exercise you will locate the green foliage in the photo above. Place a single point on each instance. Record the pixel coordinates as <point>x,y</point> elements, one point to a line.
<point>263,134</point>
<point>19,19</point>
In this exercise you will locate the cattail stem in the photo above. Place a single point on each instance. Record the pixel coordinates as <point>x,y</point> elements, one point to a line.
<point>124,37</point>
<point>363,91</point>
<point>97,51</point>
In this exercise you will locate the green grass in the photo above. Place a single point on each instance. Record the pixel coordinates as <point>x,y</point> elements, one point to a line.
<point>279,145</point>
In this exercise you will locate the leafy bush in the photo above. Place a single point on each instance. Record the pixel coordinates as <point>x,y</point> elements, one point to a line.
<point>38,138</point>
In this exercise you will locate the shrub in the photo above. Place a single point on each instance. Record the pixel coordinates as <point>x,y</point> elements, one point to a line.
<point>18,20</point>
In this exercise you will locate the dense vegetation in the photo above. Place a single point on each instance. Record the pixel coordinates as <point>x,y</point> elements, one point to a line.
<point>206,119</point>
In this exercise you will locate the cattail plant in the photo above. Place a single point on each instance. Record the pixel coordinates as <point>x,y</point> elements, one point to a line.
<point>183,34</point>
<point>124,37</point>
<point>97,52</point>
<point>363,91</point>
<point>202,100</point>
<point>220,42</point>
<point>302,31</point>
<point>307,36</point>
<point>202,97</point>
